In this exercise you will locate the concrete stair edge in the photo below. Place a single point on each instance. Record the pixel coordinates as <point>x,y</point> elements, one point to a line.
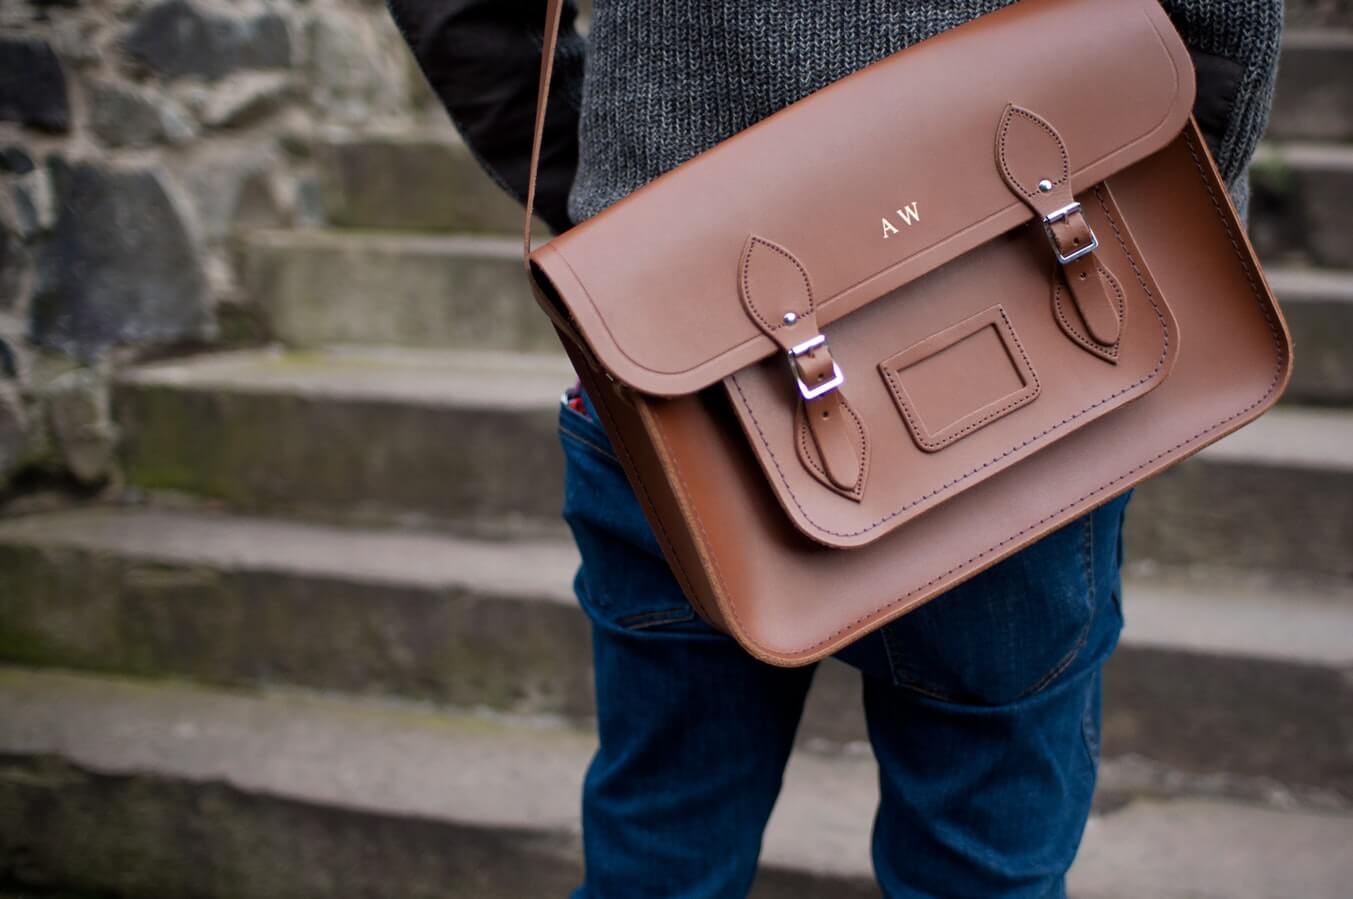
<point>267,762</point>
<point>1206,670</point>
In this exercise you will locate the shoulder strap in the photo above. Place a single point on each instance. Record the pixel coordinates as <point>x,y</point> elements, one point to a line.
<point>554,10</point>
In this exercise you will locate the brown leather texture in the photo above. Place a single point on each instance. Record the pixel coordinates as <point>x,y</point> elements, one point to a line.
<point>897,237</point>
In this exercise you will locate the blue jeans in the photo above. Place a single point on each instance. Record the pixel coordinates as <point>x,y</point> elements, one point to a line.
<point>983,710</point>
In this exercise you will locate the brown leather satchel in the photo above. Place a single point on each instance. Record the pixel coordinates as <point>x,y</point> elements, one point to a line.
<point>902,328</point>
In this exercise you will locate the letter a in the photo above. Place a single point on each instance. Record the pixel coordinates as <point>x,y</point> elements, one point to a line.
<point>889,229</point>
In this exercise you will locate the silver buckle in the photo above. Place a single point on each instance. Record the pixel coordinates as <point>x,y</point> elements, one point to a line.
<point>812,393</point>
<point>1052,218</point>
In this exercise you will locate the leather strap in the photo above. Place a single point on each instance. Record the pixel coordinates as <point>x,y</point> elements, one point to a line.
<point>778,295</point>
<point>1035,163</point>
<point>554,11</point>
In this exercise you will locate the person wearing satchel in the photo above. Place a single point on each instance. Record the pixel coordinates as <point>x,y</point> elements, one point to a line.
<point>983,705</point>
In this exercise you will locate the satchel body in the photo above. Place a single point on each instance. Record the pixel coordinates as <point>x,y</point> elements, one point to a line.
<point>917,320</point>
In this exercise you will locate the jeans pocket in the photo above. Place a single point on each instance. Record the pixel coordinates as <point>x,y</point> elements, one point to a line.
<point>624,580</point>
<point>1012,630</point>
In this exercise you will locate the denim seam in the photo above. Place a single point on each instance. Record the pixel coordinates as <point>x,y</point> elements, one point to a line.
<point>1090,743</point>
<point>1088,566</point>
<point>566,431</point>
<point>644,620</point>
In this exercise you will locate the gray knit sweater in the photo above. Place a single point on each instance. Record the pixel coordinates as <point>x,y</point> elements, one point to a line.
<point>666,79</point>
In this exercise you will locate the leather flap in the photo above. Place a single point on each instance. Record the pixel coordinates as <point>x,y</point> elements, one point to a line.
<point>870,183</point>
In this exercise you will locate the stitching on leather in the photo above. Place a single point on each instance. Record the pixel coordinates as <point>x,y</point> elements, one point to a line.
<point>900,394</point>
<point>948,485</point>
<point>1056,139</point>
<point>806,454</point>
<point>747,284</point>
<point>1279,356</point>
<point>1110,352</point>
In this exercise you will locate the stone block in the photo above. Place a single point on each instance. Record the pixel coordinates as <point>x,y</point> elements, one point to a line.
<point>13,431</point>
<point>80,424</point>
<point>245,99</point>
<point>179,38</point>
<point>123,115</point>
<point>120,266</point>
<point>33,88</point>
<point>354,75</point>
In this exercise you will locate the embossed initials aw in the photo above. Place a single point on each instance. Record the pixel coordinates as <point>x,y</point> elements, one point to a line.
<point>907,215</point>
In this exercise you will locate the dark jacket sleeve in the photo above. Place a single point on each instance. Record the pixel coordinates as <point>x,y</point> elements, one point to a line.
<point>482,58</point>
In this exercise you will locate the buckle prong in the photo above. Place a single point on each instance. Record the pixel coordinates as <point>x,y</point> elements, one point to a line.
<point>1058,215</point>
<point>811,393</point>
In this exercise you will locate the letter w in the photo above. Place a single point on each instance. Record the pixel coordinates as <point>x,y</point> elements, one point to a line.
<point>909,213</point>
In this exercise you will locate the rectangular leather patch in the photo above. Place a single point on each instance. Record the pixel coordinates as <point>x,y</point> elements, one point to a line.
<point>961,379</point>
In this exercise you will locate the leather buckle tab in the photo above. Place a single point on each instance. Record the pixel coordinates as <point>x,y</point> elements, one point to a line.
<point>1058,215</point>
<point>808,346</point>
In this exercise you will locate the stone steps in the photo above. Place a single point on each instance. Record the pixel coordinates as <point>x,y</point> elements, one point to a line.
<point>1313,101</point>
<point>1301,210</point>
<point>1318,306</point>
<point>1275,496</point>
<point>324,287</point>
<point>1217,678</point>
<point>403,801</point>
<point>411,183</point>
<point>465,441</point>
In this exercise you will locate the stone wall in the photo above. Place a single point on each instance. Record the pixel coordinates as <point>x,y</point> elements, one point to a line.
<point>136,137</point>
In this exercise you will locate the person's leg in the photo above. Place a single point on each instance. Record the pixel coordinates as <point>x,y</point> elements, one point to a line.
<point>694,733</point>
<point>985,721</point>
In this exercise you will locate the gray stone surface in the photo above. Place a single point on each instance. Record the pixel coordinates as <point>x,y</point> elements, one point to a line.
<point>1319,310</point>
<point>13,431</point>
<point>31,208</point>
<point>16,264</point>
<point>422,183</point>
<point>80,424</point>
<point>33,89</point>
<point>120,266</point>
<point>1198,850</point>
<point>321,287</point>
<point>354,75</point>
<point>1318,13</point>
<point>255,602</point>
<point>1301,209</point>
<point>231,186</point>
<point>1217,678</point>
<point>177,38</point>
<point>15,161</point>
<point>123,115</point>
<point>246,99</point>
<point>1276,496</point>
<point>441,805</point>
<point>1313,100</point>
<point>466,441</point>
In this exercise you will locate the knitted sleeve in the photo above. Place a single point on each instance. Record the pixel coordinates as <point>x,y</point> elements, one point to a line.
<point>1235,46</point>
